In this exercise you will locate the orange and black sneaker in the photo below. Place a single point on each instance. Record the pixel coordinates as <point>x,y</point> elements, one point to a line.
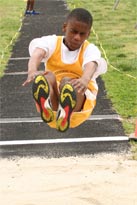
<point>67,103</point>
<point>41,90</point>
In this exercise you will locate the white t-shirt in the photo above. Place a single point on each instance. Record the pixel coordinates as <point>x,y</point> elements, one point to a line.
<point>92,53</point>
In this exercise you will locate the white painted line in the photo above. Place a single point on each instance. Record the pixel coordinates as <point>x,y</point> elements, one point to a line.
<point>20,120</point>
<point>38,119</point>
<point>65,140</point>
<point>20,58</point>
<point>105,117</point>
<point>17,73</point>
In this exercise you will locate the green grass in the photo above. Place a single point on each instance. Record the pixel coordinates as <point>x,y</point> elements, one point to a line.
<point>11,13</point>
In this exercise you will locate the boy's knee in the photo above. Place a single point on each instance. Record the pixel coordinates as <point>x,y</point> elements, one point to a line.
<point>50,76</point>
<point>65,80</point>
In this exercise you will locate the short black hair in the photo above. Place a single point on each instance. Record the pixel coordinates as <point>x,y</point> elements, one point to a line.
<point>82,15</point>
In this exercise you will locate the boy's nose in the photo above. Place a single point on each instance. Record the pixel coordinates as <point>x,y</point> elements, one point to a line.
<point>77,37</point>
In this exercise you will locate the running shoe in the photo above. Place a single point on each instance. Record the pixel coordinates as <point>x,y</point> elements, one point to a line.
<point>41,90</point>
<point>27,12</point>
<point>33,12</point>
<point>67,103</point>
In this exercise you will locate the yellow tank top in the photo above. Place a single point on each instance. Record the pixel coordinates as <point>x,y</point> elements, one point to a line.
<point>61,69</point>
<point>74,70</point>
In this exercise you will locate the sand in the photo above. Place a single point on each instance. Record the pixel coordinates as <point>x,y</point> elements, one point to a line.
<point>106,179</point>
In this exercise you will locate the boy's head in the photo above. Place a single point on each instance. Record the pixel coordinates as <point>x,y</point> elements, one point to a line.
<point>81,15</point>
<point>77,28</point>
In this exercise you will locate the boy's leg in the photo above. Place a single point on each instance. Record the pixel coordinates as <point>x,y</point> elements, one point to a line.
<point>46,95</point>
<point>28,4</point>
<point>69,101</point>
<point>31,8</point>
<point>80,98</point>
<point>27,8</point>
<point>54,93</point>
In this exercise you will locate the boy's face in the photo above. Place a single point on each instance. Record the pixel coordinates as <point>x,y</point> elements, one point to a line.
<point>76,32</point>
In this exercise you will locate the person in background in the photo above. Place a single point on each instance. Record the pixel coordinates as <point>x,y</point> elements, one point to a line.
<point>65,93</point>
<point>30,8</point>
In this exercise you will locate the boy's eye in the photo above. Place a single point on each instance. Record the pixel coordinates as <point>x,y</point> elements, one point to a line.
<point>73,31</point>
<point>76,32</point>
<point>82,34</point>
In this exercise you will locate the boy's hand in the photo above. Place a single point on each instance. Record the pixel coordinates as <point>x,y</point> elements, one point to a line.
<point>80,84</point>
<point>32,75</point>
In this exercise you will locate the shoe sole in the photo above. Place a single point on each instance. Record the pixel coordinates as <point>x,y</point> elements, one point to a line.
<point>67,103</point>
<point>40,90</point>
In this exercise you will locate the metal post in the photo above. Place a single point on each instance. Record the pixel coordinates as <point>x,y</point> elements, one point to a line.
<point>116,4</point>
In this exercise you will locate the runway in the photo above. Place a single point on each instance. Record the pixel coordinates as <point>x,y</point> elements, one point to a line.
<point>22,132</point>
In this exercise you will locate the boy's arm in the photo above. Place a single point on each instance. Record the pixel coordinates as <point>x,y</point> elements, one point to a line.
<point>81,84</point>
<point>89,70</point>
<point>34,63</point>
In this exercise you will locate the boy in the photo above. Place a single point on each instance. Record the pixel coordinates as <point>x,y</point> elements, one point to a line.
<point>65,94</point>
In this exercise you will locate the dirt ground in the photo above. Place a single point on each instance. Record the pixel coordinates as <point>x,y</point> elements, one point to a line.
<point>105,179</point>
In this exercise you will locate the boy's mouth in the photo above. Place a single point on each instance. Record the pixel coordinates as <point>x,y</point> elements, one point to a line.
<point>73,46</point>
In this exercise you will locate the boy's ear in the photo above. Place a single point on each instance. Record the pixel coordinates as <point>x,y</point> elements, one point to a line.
<point>64,27</point>
<point>89,33</point>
